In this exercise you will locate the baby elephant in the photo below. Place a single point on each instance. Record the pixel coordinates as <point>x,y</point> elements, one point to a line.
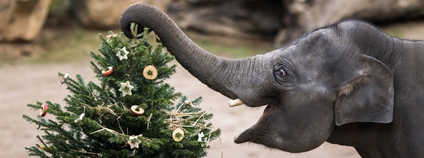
<point>347,83</point>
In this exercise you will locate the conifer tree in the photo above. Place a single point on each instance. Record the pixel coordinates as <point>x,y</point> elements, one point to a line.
<point>132,112</point>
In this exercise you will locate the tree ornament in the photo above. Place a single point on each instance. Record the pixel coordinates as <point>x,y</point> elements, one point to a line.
<point>42,147</point>
<point>200,136</point>
<point>101,118</point>
<point>150,72</point>
<point>120,56</point>
<point>178,135</point>
<point>126,88</point>
<point>134,142</point>
<point>43,111</point>
<point>107,72</point>
<point>79,118</point>
<point>64,78</point>
<point>110,36</point>
<point>187,102</point>
<point>137,110</point>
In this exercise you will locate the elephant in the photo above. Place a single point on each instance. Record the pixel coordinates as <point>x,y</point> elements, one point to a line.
<point>347,83</point>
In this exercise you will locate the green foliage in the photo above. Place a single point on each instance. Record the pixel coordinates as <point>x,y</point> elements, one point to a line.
<point>97,120</point>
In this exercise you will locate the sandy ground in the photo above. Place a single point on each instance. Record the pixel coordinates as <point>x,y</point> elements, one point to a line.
<point>20,85</point>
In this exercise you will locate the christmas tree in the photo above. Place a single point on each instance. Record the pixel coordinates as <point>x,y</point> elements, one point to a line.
<point>132,112</point>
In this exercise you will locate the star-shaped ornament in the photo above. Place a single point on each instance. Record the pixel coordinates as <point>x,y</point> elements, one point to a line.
<point>120,56</point>
<point>110,36</point>
<point>126,88</point>
<point>134,142</point>
<point>200,136</point>
<point>79,118</point>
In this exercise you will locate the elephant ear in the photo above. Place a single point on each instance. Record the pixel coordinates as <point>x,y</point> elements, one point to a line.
<point>368,95</point>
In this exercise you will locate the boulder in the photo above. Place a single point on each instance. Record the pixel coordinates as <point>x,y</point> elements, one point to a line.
<point>105,14</point>
<point>306,15</point>
<point>22,20</point>
<point>240,19</point>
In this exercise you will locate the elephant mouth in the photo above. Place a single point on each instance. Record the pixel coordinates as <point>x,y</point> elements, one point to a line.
<point>238,102</point>
<point>254,134</point>
<point>265,111</point>
<point>257,133</point>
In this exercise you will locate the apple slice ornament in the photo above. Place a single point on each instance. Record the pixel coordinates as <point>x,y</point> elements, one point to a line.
<point>64,78</point>
<point>137,110</point>
<point>178,135</point>
<point>107,72</point>
<point>150,72</point>
<point>43,111</point>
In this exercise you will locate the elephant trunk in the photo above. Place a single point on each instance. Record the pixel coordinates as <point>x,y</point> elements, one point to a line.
<point>229,77</point>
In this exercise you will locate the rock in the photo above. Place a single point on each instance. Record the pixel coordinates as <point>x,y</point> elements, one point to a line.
<point>22,20</point>
<point>60,14</point>
<point>105,14</point>
<point>242,19</point>
<point>15,51</point>
<point>306,15</point>
<point>6,14</point>
<point>284,20</point>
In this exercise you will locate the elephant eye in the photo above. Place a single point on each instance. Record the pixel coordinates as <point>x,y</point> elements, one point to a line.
<point>284,75</point>
<point>281,72</point>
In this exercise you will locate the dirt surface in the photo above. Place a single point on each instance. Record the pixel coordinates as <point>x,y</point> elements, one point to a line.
<point>20,85</point>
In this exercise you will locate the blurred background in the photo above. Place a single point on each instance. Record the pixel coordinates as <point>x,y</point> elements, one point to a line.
<point>28,27</point>
<point>39,38</point>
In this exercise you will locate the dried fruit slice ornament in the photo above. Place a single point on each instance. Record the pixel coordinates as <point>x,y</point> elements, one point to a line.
<point>137,110</point>
<point>64,78</point>
<point>43,111</point>
<point>42,147</point>
<point>108,72</point>
<point>178,134</point>
<point>150,72</point>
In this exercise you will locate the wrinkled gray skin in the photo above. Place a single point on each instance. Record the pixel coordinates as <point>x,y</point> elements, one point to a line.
<point>347,84</point>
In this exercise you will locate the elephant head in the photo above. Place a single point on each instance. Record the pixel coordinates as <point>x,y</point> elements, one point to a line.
<point>318,82</point>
